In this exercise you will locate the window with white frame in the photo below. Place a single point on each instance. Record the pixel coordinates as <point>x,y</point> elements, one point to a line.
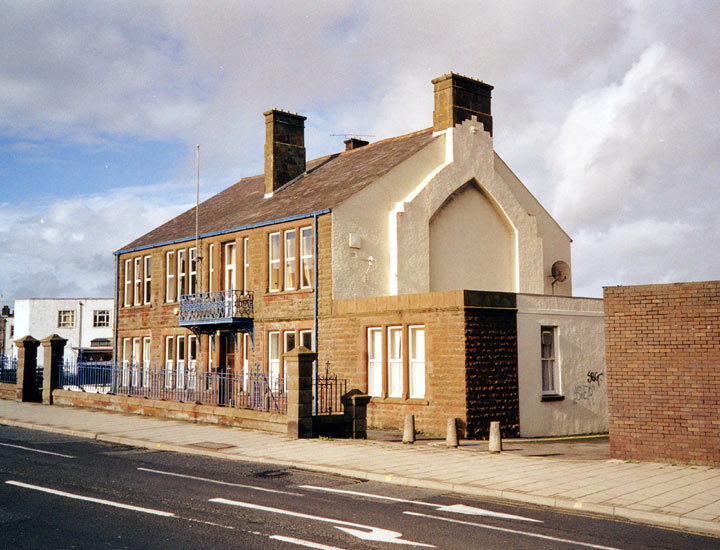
<point>137,289</point>
<point>246,263</point>
<point>417,361</point>
<point>211,268</point>
<point>548,350</point>
<point>180,363</point>
<point>375,361</point>
<point>148,280</point>
<point>127,299</point>
<point>306,339</point>
<point>395,362</point>
<point>246,359</point>
<point>135,381</point>
<point>66,318</point>
<point>306,257</point>
<point>193,271</point>
<point>274,358</point>
<point>101,318</point>
<point>181,270</point>
<point>192,362</point>
<point>290,260</point>
<point>288,346</point>
<point>274,261</point>
<point>169,360</point>
<point>146,362</point>
<point>170,277</point>
<point>126,362</point>
<point>229,267</point>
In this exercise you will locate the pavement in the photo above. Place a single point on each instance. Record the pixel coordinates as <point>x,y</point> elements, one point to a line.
<point>572,474</point>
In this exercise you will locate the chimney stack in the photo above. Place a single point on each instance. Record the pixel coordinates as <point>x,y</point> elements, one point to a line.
<point>284,148</point>
<point>457,98</point>
<point>354,143</point>
<point>5,311</point>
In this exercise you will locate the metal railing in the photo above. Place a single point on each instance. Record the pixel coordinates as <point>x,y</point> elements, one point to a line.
<point>329,390</point>
<point>8,369</point>
<point>216,306</point>
<point>178,382</point>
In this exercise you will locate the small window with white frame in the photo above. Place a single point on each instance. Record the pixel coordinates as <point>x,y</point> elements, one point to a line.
<point>306,257</point>
<point>101,318</point>
<point>66,318</point>
<point>169,360</point>
<point>192,276</point>
<point>147,280</point>
<point>306,339</point>
<point>229,266</point>
<point>395,362</point>
<point>127,300</point>
<point>211,268</point>
<point>375,361</point>
<point>417,361</point>
<point>274,262</point>
<point>290,260</point>
<point>181,271</point>
<point>549,361</point>
<point>170,277</point>
<point>274,358</point>
<point>137,288</point>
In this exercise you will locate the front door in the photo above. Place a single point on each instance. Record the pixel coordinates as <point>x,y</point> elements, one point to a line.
<point>226,367</point>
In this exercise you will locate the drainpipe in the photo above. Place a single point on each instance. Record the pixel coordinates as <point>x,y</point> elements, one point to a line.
<point>315,312</point>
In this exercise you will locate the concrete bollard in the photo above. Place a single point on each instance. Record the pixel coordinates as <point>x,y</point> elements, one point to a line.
<point>409,432</point>
<point>495,443</point>
<point>452,438</point>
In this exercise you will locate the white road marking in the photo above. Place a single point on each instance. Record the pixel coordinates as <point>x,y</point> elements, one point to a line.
<point>91,499</point>
<point>220,482</point>
<point>306,543</point>
<point>514,531</point>
<point>454,508</point>
<point>35,450</point>
<point>367,533</point>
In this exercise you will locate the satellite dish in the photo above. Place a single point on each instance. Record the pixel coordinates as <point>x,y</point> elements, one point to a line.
<point>560,271</point>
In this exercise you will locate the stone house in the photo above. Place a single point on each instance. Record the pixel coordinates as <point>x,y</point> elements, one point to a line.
<point>418,267</point>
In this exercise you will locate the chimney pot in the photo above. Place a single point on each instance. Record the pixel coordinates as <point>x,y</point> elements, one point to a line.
<point>457,98</point>
<point>284,148</point>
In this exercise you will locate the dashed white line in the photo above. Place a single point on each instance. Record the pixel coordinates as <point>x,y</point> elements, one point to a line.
<point>514,531</point>
<point>305,543</point>
<point>227,483</point>
<point>91,499</point>
<point>35,450</point>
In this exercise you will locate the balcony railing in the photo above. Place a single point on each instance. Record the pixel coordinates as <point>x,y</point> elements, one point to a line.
<point>212,308</point>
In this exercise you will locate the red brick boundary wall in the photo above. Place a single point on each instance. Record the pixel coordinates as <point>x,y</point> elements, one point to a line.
<point>662,345</point>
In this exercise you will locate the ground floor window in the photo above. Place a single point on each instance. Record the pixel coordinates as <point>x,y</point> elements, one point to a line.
<point>396,371</point>
<point>549,363</point>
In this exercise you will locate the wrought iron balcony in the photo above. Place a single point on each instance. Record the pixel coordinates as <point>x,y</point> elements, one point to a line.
<point>210,311</point>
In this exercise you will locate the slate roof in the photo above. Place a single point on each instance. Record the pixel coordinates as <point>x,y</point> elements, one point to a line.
<point>327,182</point>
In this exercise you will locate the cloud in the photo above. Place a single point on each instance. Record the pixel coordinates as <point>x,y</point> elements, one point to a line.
<point>609,115</point>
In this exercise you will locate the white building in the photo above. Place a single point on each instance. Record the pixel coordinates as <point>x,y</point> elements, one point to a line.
<point>86,323</point>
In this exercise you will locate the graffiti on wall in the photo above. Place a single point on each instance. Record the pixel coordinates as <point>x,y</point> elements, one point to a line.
<point>585,392</point>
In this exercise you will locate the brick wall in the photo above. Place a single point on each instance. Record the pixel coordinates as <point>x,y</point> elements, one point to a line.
<point>663,371</point>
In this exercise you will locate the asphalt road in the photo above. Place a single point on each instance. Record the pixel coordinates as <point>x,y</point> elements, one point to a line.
<point>62,492</point>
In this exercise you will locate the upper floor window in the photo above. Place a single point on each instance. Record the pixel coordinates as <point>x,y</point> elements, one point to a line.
<point>193,271</point>
<point>211,268</point>
<point>290,261</point>
<point>147,279</point>
<point>66,319</point>
<point>127,294</point>
<point>246,263</point>
<point>181,270</point>
<point>306,257</point>
<point>170,277</point>
<point>274,261</point>
<point>229,266</point>
<point>137,289</point>
<point>101,318</point>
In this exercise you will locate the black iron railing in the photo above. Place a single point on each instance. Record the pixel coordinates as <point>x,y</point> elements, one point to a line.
<point>218,306</point>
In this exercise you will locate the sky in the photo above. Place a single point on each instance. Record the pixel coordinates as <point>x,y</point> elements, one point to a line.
<point>609,112</point>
